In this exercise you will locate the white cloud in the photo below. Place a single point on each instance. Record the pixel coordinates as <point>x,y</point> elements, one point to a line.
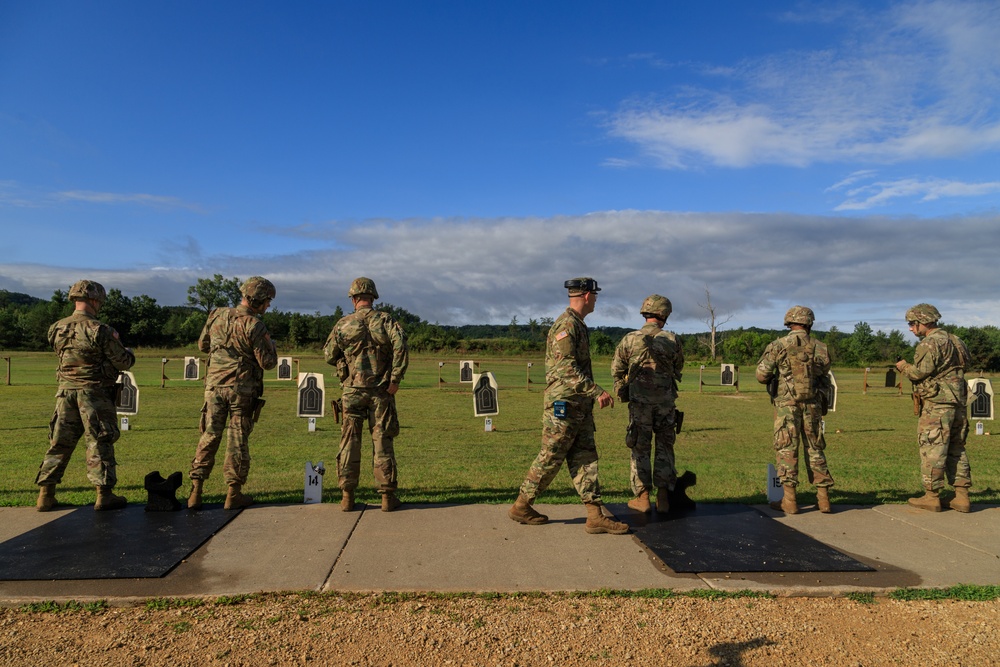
<point>918,81</point>
<point>157,201</point>
<point>922,189</point>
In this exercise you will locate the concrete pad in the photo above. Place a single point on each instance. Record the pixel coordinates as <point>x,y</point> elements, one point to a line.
<point>265,548</point>
<point>17,520</point>
<point>978,530</point>
<point>476,548</point>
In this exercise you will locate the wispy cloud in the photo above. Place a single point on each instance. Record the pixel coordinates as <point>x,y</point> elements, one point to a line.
<point>920,189</point>
<point>920,80</point>
<point>156,201</point>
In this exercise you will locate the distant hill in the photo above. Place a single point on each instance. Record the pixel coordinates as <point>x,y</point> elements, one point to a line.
<point>17,298</point>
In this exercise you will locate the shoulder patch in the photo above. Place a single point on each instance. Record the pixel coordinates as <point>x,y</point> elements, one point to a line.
<point>561,335</point>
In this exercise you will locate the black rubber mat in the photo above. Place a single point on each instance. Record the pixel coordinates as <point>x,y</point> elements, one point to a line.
<point>119,544</point>
<point>732,538</point>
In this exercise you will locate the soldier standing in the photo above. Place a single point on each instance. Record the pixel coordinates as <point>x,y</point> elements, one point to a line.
<point>568,416</point>
<point>941,393</point>
<point>795,368</point>
<point>646,367</point>
<point>239,350</point>
<point>90,359</point>
<point>369,350</point>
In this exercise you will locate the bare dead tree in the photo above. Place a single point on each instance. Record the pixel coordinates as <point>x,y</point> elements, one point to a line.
<point>713,320</point>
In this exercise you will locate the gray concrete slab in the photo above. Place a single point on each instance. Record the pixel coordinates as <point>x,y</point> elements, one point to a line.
<point>477,548</point>
<point>265,548</point>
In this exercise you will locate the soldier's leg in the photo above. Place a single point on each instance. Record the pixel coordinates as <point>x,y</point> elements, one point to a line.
<point>639,440</point>
<point>581,460</point>
<point>100,423</point>
<point>214,415</point>
<point>385,427</point>
<point>664,468</point>
<point>236,467</point>
<point>349,455</point>
<point>65,430</point>
<point>957,469</point>
<point>815,444</point>
<point>557,437</point>
<point>934,436</point>
<point>786,445</point>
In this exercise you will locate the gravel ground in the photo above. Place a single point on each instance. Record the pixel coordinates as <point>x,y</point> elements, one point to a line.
<point>293,629</point>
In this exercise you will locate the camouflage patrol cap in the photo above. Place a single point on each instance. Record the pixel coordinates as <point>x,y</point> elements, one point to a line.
<point>87,289</point>
<point>257,288</point>
<point>363,285</point>
<point>924,313</point>
<point>656,306</point>
<point>578,286</point>
<point>800,315</point>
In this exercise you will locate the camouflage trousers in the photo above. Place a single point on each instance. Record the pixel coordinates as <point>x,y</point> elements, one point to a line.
<point>570,440</point>
<point>86,413</point>
<point>647,420</point>
<point>379,408</point>
<point>941,433</point>
<point>792,423</point>
<point>225,407</point>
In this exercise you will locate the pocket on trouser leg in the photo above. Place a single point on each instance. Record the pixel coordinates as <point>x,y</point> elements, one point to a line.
<point>203,421</point>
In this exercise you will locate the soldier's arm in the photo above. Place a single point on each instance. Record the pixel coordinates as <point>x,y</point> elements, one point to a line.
<point>767,365</point>
<point>566,368</point>
<point>121,357</point>
<point>264,348</point>
<point>331,349</point>
<point>620,363</point>
<point>923,365</point>
<point>400,354</point>
<point>679,360</point>
<point>205,339</point>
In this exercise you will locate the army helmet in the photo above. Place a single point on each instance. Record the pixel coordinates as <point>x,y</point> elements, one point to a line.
<point>87,289</point>
<point>582,285</point>
<point>924,313</point>
<point>656,306</point>
<point>258,289</point>
<point>363,285</point>
<point>800,315</point>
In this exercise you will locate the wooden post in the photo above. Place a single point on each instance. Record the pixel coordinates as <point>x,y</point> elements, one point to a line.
<point>163,372</point>
<point>7,359</point>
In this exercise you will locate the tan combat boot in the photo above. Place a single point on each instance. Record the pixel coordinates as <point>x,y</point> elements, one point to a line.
<point>930,501</point>
<point>598,523</point>
<point>662,500</point>
<point>523,512</point>
<point>235,499</point>
<point>787,504</point>
<point>641,502</point>
<point>961,502</point>
<point>823,499</point>
<point>194,500</point>
<point>390,502</point>
<point>346,500</point>
<point>107,500</point>
<point>46,497</point>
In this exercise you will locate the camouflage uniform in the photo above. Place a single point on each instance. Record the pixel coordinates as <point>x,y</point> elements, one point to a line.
<point>90,359</point>
<point>369,349</point>
<point>240,350</point>
<point>570,379</point>
<point>649,362</point>
<point>797,418</point>
<point>938,374</point>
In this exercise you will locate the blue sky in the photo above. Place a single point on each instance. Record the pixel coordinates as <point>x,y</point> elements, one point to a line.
<point>470,156</point>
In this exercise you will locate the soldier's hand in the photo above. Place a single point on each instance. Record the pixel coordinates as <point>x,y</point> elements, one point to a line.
<point>393,388</point>
<point>604,400</point>
<point>900,365</point>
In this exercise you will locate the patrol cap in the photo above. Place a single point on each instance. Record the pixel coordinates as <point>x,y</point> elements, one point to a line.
<point>924,313</point>
<point>257,288</point>
<point>656,306</point>
<point>363,285</point>
<point>800,315</point>
<point>577,286</point>
<point>87,289</point>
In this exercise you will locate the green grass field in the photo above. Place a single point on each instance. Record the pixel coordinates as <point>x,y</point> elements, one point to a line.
<point>445,454</point>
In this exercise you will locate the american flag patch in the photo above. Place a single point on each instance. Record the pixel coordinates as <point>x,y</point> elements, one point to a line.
<point>561,335</point>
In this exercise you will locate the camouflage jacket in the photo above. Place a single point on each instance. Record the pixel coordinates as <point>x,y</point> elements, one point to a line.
<point>239,350</point>
<point>368,348</point>
<point>90,354</point>
<point>799,378</point>
<point>567,361</point>
<point>938,368</point>
<point>650,361</point>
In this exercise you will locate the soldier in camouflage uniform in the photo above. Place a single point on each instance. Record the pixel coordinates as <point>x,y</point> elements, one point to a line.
<point>568,416</point>
<point>940,389</point>
<point>239,350</point>
<point>797,366</point>
<point>369,350</point>
<point>90,359</point>
<point>646,367</point>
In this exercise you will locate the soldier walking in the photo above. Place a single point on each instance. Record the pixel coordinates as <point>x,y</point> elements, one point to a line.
<point>795,368</point>
<point>239,350</point>
<point>941,394</point>
<point>568,416</point>
<point>90,359</point>
<point>646,367</point>
<point>369,350</point>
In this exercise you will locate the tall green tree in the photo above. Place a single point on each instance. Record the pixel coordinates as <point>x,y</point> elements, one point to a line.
<point>214,293</point>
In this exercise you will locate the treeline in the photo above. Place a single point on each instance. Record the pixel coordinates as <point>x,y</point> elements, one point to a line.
<point>25,320</point>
